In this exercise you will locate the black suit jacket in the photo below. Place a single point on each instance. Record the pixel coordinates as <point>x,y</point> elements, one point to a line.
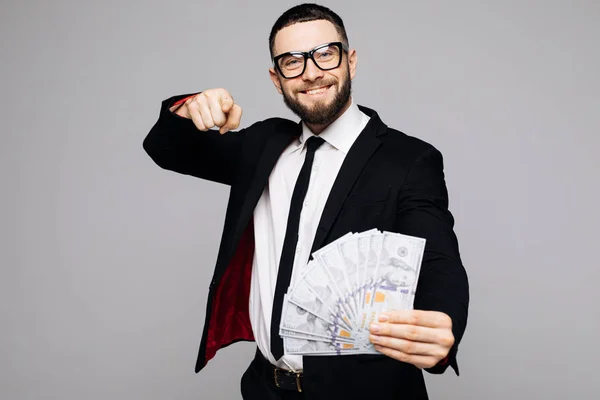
<point>388,180</point>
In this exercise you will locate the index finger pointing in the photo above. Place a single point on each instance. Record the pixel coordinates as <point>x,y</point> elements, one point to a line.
<point>233,119</point>
<point>227,104</point>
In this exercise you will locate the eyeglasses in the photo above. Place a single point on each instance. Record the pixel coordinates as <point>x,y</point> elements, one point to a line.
<point>326,57</point>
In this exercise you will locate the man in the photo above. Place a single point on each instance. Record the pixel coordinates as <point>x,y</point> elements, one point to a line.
<point>295,187</point>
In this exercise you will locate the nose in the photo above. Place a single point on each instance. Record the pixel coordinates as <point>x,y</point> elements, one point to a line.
<point>312,72</point>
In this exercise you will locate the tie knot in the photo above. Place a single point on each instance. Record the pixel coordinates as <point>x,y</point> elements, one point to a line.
<point>313,143</point>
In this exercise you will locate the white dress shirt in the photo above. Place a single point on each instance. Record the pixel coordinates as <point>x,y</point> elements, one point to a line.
<point>271,213</point>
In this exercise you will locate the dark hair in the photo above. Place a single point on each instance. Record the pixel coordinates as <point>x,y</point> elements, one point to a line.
<point>304,13</point>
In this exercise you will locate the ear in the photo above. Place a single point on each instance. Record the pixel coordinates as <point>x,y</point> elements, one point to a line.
<point>352,61</point>
<point>275,79</point>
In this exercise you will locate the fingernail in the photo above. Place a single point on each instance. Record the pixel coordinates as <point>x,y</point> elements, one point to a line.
<point>374,339</point>
<point>225,130</point>
<point>383,318</point>
<point>375,328</point>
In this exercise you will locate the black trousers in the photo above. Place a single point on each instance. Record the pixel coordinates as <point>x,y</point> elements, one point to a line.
<point>257,384</point>
<point>346,377</point>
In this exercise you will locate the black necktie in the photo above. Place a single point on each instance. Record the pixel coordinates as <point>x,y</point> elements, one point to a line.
<point>288,251</point>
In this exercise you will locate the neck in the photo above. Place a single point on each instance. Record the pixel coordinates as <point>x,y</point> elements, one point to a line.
<point>318,128</point>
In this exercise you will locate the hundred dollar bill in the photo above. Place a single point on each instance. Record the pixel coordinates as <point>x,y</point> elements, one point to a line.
<point>295,318</point>
<point>375,245</point>
<point>331,259</point>
<point>362,245</point>
<point>319,281</point>
<point>355,255</point>
<point>293,334</point>
<point>348,251</point>
<point>303,335</point>
<point>397,273</point>
<point>413,256</point>
<point>316,347</point>
<point>304,296</point>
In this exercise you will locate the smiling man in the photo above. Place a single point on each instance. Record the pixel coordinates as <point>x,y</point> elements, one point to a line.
<point>322,92</point>
<point>297,186</point>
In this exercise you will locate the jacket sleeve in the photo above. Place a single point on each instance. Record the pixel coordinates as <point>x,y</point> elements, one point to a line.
<point>423,212</point>
<point>174,143</point>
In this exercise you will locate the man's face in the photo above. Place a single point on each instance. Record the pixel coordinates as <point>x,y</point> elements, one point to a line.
<point>316,96</point>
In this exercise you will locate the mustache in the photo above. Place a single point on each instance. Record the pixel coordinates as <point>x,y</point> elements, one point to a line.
<point>311,87</point>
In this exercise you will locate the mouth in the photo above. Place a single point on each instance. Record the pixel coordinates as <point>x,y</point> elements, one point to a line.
<point>316,91</point>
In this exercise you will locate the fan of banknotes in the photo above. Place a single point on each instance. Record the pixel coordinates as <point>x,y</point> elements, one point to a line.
<point>344,287</point>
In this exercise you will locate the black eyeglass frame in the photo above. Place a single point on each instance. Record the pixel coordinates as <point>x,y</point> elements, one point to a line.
<point>310,55</point>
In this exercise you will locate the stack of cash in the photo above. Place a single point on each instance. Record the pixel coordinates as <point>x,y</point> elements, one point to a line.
<point>344,287</point>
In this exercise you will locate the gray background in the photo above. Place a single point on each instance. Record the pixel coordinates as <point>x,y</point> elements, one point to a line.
<point>106,258</point>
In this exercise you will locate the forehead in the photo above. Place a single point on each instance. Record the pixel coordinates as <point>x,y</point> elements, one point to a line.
<point>304,36</point>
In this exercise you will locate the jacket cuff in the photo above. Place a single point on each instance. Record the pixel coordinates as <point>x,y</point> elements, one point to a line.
<point>448,361</point>
<point>179,102</point>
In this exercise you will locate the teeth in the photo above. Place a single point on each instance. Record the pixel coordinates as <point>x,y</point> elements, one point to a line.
<point>316,91</point>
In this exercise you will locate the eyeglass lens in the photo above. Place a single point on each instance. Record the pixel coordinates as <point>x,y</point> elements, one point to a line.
<point>327,57</point>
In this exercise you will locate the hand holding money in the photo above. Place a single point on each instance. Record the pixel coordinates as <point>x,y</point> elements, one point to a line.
<point>417,337</point>
<point>347,285</point>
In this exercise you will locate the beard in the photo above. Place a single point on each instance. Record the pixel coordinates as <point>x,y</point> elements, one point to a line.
<point>321,113</point>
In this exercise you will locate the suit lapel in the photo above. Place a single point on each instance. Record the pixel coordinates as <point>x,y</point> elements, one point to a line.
<point>275,145</point>
<point>356,159</point>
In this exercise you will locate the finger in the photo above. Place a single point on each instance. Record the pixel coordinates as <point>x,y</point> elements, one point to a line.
<point>409,347</point>
<point>432,319</point>
<point>416,360</point>
<point>233,119</point>
<point>205,111</point>
<point>414,333</point>
<point>227,102</point>
<point>216,112</point>
<point>181,110</point>
<point>194,114</point>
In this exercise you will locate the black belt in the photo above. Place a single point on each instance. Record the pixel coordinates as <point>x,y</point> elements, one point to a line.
<point>281,378</point>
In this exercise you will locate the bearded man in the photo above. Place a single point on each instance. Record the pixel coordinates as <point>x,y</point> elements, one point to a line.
<point>298,186</point>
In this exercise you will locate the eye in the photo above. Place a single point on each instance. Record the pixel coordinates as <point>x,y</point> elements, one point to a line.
<point>291,63</point>
<point>326,53</point>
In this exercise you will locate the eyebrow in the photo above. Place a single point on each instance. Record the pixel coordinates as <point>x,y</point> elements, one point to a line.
<point>306,51</point>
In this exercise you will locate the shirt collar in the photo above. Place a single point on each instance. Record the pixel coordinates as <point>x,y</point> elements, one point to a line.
<point>342,132</point>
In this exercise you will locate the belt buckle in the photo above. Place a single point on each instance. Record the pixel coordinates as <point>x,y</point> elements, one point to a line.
<point>298,375</point>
